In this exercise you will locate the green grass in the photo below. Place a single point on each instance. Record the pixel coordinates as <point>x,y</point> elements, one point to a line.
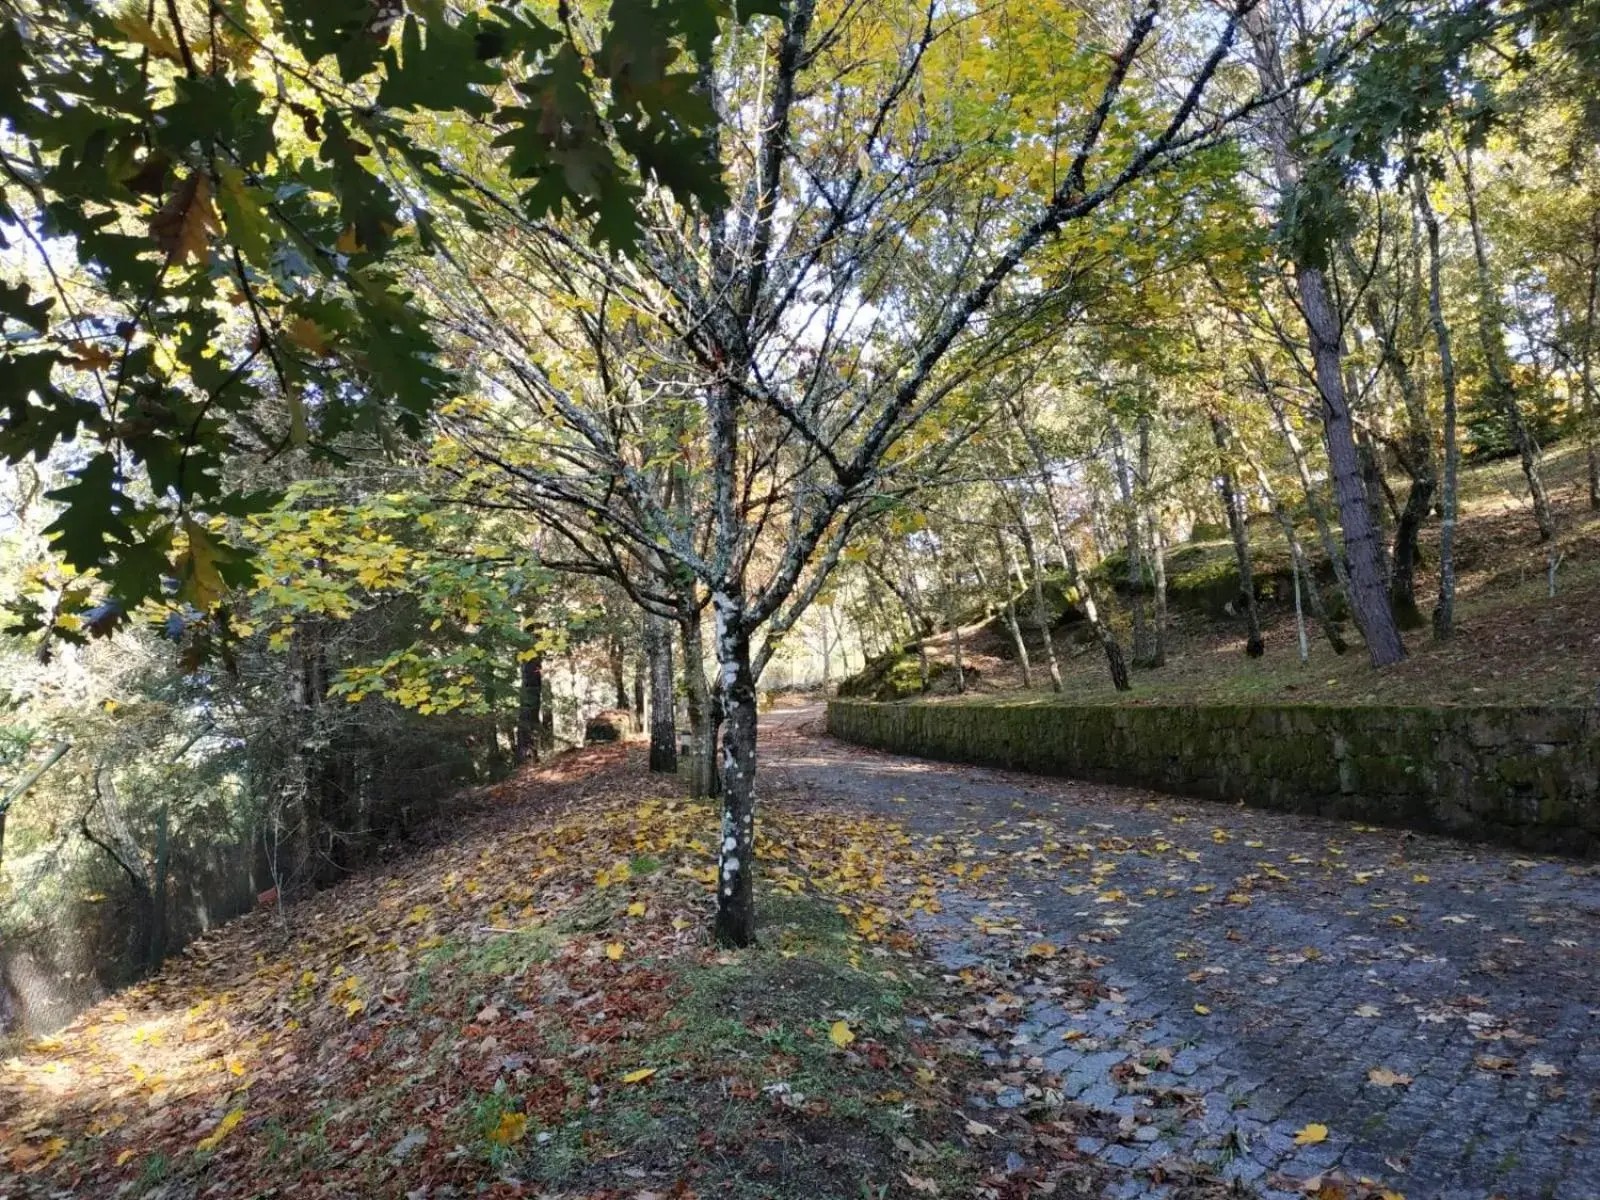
<point>739,1027</point>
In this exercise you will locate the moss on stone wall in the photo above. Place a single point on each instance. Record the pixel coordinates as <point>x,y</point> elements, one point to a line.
<point>1528,776</point>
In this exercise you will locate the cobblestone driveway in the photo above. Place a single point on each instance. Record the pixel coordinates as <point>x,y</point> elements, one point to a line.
<point>1278,961</point>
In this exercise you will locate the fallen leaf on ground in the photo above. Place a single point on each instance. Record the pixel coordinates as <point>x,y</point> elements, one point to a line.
<point>1384,1077</point>
<point>1311,1135</point>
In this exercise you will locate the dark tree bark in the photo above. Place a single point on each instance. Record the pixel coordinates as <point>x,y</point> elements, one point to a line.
<point>1491,331</point>
<point>700,703</point>
<point>663,726</point>
<point>1143,653</point>
<point>1255,645</point>
<point>1368,593</point>
<point>1415,455</point>
<point>530,696</point>
<point>1305,577</point>
<point>1158,554</point>
<point>1041,611</point>
<point>1115,662</point>
<point>619,683</point>
<point>1444,611</point>
<point>736,911</point>
<point>1020,584</point>
<point>1591,401</point>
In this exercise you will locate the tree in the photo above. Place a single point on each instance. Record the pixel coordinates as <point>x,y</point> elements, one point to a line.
<point>788,442</point>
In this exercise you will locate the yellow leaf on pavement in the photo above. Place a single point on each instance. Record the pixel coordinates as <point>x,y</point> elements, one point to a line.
<point>1311,1135</point>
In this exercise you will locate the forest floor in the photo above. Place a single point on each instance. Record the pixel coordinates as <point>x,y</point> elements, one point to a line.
<point>530,1005</point>
<point>969,983</point>
<point>1514,642</point>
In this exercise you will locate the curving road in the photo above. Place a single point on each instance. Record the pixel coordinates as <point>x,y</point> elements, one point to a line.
<point>1435,1006</point>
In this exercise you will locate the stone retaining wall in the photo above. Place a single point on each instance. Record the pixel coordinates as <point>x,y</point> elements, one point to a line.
<point>1527,776</point>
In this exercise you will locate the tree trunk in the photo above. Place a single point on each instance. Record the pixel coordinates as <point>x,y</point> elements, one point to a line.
<point>1368,595</point>
<point>1303,574</point>
<point>1069,560</point>
<point>1014,625</point>
<point>1491,331</point>
<point>701,706</point>
<point>1255,645</point>
<point>736,913</point>
<point>1330,548</point>
<point>1591,402</point>
<point>1158,550</point>
<point>663,724</point>
<point>1041,611</point>
<point>1375,489</point>
<point>530,696</point>
<point>619,682</point>
<point>1417,461</point>
<point>640,671</point>
<point>1142,652</point>
<point>1444,611</point>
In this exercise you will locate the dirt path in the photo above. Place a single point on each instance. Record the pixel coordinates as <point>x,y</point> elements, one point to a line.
<point>1258,969</point>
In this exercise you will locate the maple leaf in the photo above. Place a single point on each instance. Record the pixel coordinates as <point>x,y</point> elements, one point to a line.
<point>184,224</point>
<point>614,951</point>
<point>1311,1135</point>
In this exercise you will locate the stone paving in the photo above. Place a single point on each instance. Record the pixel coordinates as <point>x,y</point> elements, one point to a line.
<point>1257,968</point>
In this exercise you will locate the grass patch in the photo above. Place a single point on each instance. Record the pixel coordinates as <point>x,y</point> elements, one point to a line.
<point>750,1094</point>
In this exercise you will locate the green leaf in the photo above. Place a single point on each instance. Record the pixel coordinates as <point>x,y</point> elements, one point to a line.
<point>14,303</point>
<point>248,225</point>
<point>90,526</point>
<point>29,428</point>
<point>439,75</point>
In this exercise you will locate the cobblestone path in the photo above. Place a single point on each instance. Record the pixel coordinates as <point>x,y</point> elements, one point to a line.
<point>1434,1005</point>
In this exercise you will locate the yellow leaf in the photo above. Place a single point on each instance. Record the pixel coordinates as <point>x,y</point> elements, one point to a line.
<point>512,1127</point>
<point>417,915</point>
<point>1311,1135</point>
<point>636,909</point>
<point>639,1076</point>
<point>1041,950</point>
<point>614,951</point>
<point>1202,1010</point>
<point>352,1007</point>
<point>839,1034</point>
<point>224,1127</point>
